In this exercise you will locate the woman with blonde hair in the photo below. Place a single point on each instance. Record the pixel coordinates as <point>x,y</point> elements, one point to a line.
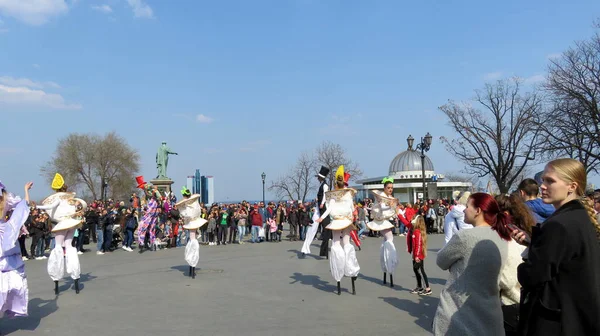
<point>561,275</point>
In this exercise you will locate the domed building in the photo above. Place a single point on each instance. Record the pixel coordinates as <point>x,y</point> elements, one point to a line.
<point>407,171</point>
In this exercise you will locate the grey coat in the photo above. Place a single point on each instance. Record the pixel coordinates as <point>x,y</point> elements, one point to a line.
<point>470,302</point>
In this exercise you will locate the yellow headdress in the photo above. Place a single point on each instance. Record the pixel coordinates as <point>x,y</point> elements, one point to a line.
<point>58,182</point>
<point>339,174</point>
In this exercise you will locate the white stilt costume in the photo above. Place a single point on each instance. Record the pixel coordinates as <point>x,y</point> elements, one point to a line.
<point>65,210</point>
<point>340,207</point>
<point>384,209</point>
<point>190,210</point>
<point>311,232</point>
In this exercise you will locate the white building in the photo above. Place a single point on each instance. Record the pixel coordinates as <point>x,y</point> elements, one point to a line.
<point>406,170</point>
<point>210,182</point>
<point>189,183</point>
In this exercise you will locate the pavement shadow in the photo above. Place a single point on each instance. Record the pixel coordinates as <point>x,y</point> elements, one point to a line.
<point>300,255</point>
<point>423,311</point>
<point>379,281</point>
<point>435,250</point>
<point>184,269</point>
<point>437,281</point>
<point>69,282</point>
<point>37,309</point>
<point>316,282</point>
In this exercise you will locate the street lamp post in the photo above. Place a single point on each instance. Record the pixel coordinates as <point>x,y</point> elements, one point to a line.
<point>264,176</point>
<point>105,190</point>
<point>424,147</point>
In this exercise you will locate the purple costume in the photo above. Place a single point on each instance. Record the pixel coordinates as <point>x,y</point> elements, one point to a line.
<point>149,221</point>
<point>13,282</point>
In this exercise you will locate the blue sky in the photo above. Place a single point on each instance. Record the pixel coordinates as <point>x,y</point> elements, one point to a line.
<point>242,87</point>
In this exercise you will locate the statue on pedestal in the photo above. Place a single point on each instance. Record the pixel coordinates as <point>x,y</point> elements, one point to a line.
<point>162,160</point>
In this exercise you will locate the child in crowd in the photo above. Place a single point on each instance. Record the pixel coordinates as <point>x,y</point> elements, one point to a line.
<point>418,248</point>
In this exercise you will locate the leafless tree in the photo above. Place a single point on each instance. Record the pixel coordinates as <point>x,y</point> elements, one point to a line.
<point>332,155</point>
<point>299,181</point>
<point>498,137</point>
<point>571,124</point>
<point>91,161</point>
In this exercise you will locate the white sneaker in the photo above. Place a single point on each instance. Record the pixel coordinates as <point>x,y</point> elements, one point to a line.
<point>24,258</point>
<point>99,253</point>
<point>44,257</point>
<point>124,247</point>
<point>79,252</point>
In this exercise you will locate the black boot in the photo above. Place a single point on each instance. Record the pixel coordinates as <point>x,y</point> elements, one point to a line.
<point>391,280</point>
<point>339,289</point>
<point>384,278</point>
<point>55,287</point>
<point>76,286</point>
<point>353,288</point>
<point>190,271</point>
<point>193,272</point>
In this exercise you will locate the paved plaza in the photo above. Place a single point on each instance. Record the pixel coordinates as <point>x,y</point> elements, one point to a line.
<point>251,289</point>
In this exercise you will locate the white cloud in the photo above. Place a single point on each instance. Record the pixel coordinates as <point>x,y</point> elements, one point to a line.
<point>35,65</point>
<point>201,118</point>
<point>10,81</point>
<point>140,9</point>
<point>102,8</point>
<point>535,79</point>
<point>554,56</point>
<point>26,97</point>
<point>493,76</point>
<point>33,12</point>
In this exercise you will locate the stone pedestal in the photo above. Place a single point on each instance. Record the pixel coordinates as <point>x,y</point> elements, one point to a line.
<point>163,185</point>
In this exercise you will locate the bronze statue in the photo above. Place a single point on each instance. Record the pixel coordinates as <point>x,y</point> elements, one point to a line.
<point>162,160</point>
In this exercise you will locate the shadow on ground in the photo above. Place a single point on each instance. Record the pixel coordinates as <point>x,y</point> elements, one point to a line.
<point>423,310</point>
<point>316,282</point>
<point>300,255</point>
<point>379,281</point>
<point>37,308</point>
<point>69,283</point>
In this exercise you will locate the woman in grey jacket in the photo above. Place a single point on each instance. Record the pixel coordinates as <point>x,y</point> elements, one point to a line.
<point>470,302</point>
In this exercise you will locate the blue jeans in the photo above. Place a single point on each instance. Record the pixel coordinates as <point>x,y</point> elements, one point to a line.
<point>128,237</point>
<point>402,228</point>
<point>255,230</point>
<point>100,239</point>
<point>241,233</point>
<point>39,248</point>
<point>303,232</point>
<point>362,226</point>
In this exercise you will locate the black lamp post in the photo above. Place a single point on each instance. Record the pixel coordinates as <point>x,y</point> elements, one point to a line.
<point>264,176</point>
<point>424,147</point>
<point>105,190</point>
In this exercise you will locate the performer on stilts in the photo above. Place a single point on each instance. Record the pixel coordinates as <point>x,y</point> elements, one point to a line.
<point>384,211</point>
<point>14,292</point>
<point>67,211</point>
<point>190,210</point>
<point>146,234</point>
<point>340,205</point>
<point>310,233</point>
<point>322,208</point>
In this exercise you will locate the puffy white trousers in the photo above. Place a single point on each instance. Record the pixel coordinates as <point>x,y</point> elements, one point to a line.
<point>57,259</point>
<point>342,259</point>
<point>388,254</point>
<point>192,249</point>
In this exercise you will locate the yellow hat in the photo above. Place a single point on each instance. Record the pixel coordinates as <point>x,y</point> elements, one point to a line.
<point>58,182</point>
<point>339,174</point>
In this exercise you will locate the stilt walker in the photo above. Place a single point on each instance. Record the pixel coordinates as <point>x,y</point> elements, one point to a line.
<point>190,210</point>
<point>340,206</point>
<point>322,208</point>
<point>310,233</point>
<point>67,211</point>
<point>150,218</point>
<point>384,210</point>
<point>14,293</point>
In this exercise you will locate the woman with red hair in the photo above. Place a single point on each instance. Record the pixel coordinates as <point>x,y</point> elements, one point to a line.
<point>470,302</point>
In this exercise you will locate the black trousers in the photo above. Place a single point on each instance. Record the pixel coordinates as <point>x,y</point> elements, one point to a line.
<point>34,242</point>
<point>511,319</point>
<point>326,235</point>
<point>232,229</point>
<point>293,230</point>
<point>419,266</point>
<point>222,234</point>
<point>93,233</point>
<point>22,246</point>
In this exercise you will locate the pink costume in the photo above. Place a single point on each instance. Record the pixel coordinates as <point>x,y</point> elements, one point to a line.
<point>149,221</point>
<point>13,281</point>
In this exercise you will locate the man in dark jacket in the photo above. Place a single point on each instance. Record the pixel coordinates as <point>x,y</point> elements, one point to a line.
<point>303,220</point>
<point>293,220</point>
<point>91,221</point>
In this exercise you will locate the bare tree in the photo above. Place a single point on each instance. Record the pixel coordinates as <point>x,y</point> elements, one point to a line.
<point>571,126</point>
<point>499,139</point>
<point>332,155</point>
<point>299,181</point>
<point>91,162</point>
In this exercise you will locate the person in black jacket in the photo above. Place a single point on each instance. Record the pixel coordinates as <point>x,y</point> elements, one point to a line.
<point>303,220</point>
<point>91,221</point>
<point>293,220</point>
<point>560,277</point>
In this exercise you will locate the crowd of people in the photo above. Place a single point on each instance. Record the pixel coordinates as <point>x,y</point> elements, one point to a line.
<point>519,264</point>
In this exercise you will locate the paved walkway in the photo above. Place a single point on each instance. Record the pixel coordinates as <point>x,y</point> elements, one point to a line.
<point>250,289</point>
